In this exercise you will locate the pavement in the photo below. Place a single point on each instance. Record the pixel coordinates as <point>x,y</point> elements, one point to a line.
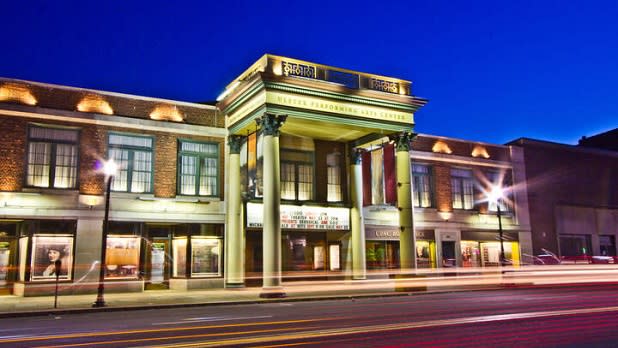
<point>14,306</point>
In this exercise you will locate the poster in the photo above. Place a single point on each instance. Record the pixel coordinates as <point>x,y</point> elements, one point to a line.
<point>46,249</point>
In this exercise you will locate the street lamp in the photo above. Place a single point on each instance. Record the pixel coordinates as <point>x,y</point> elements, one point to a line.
<point>109,168</point>
<point>495,195</point>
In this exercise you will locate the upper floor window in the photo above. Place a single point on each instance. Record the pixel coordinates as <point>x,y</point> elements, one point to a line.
<point>198,168</point>
<point>422,190</point>
<point>52,157</point>
<point>133,154</point>
<point>333,168</point>
<point>462,188</point>
<point>296,175</point>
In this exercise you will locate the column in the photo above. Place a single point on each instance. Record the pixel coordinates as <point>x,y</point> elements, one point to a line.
<point>407,240</point>
<point>271,233</point>
<point>357,225</point>
<point>234,231</point>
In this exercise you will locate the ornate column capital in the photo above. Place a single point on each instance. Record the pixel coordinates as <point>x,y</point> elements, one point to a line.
<point>234,142</point>
<point>356,155</point>
<point>402,140</point>
<point>271,123</point>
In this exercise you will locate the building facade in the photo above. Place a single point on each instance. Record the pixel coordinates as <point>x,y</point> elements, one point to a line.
<point>573,196</point>
<point>300,171</point>
<point>166,220</point>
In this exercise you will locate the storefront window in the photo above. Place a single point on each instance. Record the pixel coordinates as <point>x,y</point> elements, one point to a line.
<point>46,250</point>
<point>382,254</point>
<point>424,254</point>
<point>122,257</point>
<point>470,254</point>
<point>179,251</point>
<point>205,256</point>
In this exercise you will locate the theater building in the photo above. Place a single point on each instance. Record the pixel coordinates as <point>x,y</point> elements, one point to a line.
<point>299,171</point>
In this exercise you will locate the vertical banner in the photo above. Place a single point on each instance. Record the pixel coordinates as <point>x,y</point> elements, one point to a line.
<point>252,163</point>
<point>390,174</point>
<point>377,176</point>
<point>366,168</point>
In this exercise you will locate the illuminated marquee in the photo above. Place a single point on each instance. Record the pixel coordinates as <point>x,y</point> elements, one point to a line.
<point>302,217</point>
<point>294,69</point>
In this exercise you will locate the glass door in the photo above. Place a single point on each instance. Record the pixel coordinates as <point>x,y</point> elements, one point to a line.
<point>157,272</point>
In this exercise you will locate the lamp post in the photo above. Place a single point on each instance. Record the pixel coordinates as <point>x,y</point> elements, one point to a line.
<point>109,168</point>
<point>495,195</point>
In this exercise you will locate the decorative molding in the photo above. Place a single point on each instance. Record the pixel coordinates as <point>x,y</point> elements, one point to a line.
<point>402,140</point>
<point>235,142</point>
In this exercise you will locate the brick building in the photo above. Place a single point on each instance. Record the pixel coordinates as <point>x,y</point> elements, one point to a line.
<point>300,170</point>
<point>166,201</point>
<point>573,196</point>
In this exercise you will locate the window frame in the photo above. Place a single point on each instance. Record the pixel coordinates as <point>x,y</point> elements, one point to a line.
<point>200,156</point>
<point>416,194</point>
<point>131,157</point>
<point>297,164</point>
<point>53,163</point>
<point>462,192</point>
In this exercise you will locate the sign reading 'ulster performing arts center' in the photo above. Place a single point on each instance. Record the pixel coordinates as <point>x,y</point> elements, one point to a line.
<point>302,217</point>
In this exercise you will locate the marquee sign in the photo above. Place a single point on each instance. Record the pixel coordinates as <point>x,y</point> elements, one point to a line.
<point>302,217</point>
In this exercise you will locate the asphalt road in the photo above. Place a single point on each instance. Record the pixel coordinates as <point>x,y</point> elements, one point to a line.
<point>566,316</point>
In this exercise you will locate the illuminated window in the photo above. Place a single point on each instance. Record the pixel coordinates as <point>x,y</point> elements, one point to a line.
<point>333,168</point>
<point>296,175</point>
<point>133,154</point>
<point>422,192</point>
<point>198,168</point>
<point>205,256</point>
<point>462,188</point>
<point>52,157</point>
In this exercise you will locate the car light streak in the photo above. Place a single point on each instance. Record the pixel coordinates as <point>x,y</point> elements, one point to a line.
<point>391,327</point>
<point>205,319</point>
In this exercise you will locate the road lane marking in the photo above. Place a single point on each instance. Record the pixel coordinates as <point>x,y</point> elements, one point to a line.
<point>159,330</point>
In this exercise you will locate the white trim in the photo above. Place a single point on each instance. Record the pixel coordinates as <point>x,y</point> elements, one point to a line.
<point>123,122</point>
<point>426,156</point>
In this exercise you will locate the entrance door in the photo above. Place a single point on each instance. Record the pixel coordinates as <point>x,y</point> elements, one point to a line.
<point>448,254</point>
<point>157,272</point>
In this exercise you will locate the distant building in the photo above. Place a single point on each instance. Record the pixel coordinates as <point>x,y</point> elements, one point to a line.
<point>573,196</point>
<point>300,171</point>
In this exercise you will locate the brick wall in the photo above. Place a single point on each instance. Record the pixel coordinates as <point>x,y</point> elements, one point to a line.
<point>12,153</point>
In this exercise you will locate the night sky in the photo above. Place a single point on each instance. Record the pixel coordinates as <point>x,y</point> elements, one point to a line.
<point>493,71</point>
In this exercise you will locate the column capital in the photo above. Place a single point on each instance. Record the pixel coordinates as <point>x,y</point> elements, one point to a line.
<point>402,140</point>
<point>356,155</point>
<point>234,142</point>
<point>271,123</point>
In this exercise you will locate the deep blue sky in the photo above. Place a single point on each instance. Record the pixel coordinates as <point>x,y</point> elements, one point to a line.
<point>493,70</point>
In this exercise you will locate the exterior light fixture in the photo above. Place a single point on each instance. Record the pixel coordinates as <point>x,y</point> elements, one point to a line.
<point>110,169</point>
<point>495,195</point>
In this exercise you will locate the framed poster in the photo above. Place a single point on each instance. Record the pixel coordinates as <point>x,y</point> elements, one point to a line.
<point>46,249</point>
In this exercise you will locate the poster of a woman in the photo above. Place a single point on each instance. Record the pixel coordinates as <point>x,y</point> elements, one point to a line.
<point>46,250</point>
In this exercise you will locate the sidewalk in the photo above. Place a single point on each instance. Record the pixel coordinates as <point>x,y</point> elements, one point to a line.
<point>455,280</point>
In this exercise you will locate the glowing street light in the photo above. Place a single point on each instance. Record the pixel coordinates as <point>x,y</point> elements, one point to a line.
<point>495,195</point>
<point>110,168</point>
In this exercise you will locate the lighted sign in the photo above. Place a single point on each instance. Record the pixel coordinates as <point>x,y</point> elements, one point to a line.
<point>384,86</point>
<point>343,108</point>
<point>302,217</point>
<point>295,69</point>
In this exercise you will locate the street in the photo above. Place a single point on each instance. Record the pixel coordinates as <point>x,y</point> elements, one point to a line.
<point>551,316</point>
